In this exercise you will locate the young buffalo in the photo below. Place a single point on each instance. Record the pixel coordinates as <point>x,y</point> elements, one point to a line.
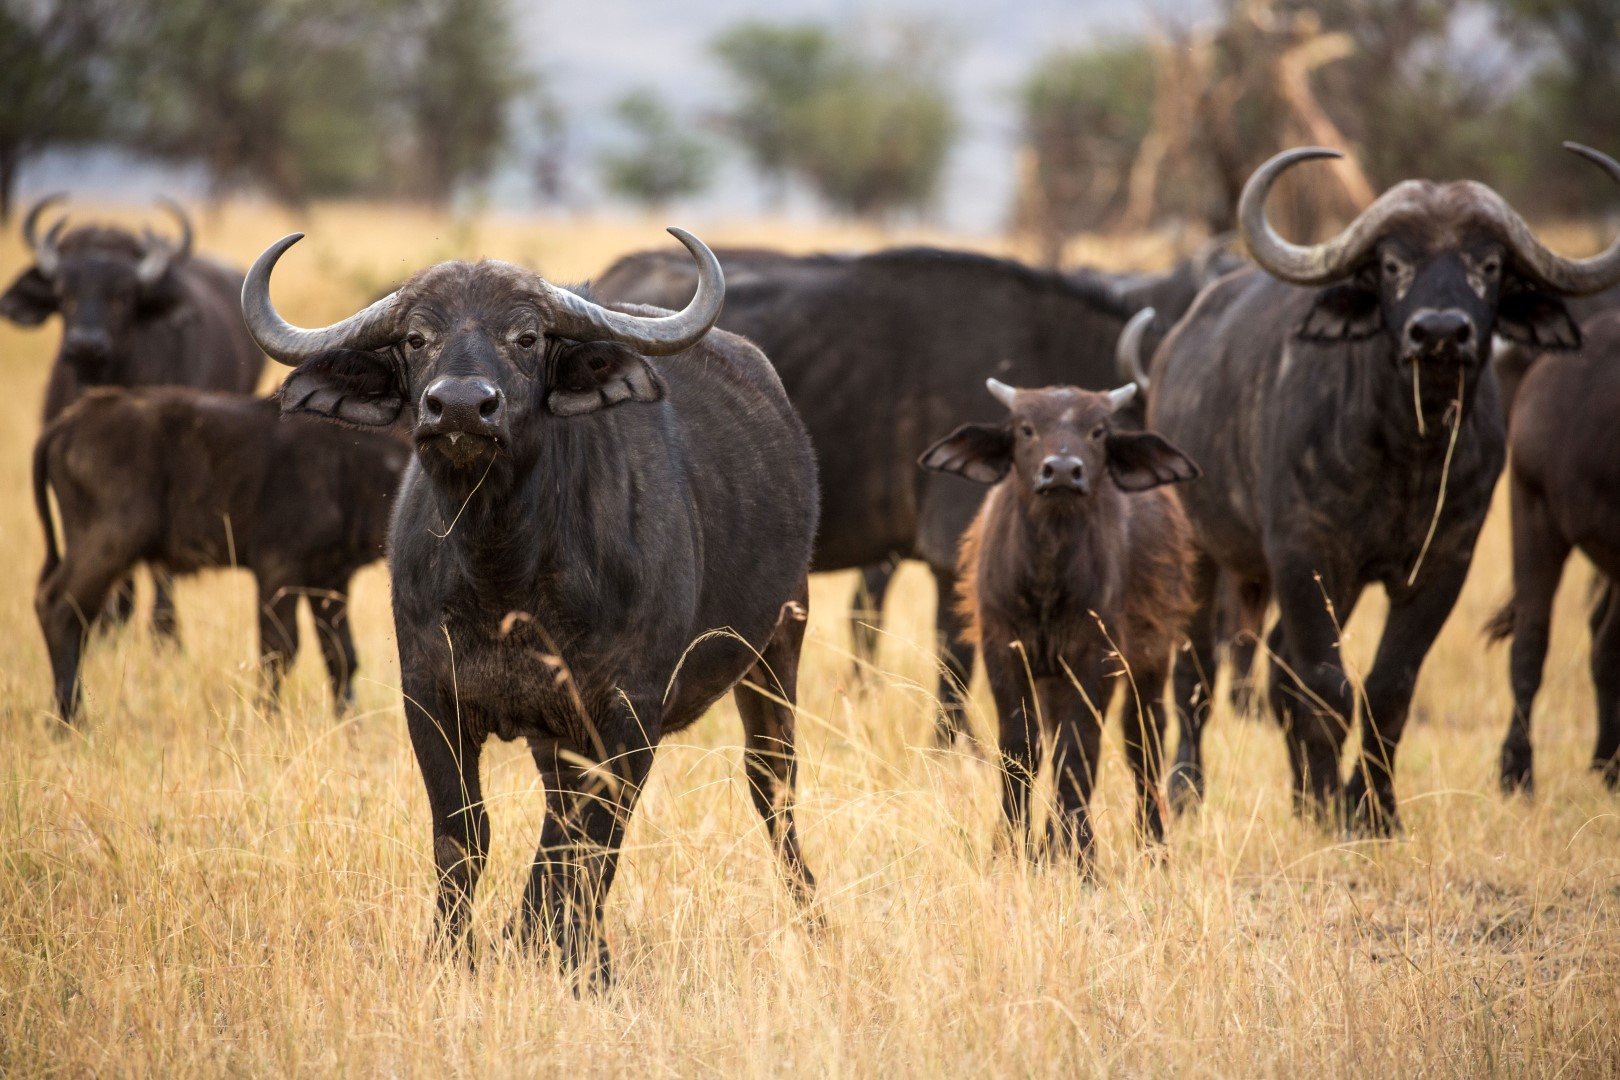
<point>1563,484</point>
<point>1076,569</point>
<point>187,480</point>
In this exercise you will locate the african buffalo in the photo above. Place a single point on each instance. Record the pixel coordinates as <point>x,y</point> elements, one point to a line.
<point>1564,483</point>
<point>136,311</point>
<point>590,547</point>
<point>1073,585</point>
<point>1340,402</point>
<point>186,480</point>
<point>877,351</point>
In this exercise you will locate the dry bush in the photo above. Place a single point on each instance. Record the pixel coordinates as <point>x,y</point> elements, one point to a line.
<point>191,886</point>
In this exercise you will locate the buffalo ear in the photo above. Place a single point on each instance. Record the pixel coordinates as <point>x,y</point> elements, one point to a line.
<point>361,389</point>
<point>597,374</point>
<point>1343,313</point>
<point>30,300</point>
<point>1139,460</point>
<point>981,452</point>
<point>1536,319</point>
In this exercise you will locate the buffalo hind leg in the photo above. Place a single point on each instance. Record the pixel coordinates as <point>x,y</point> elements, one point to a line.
<point>67,602</point>
<point>1539,552</point>
<point>587,810</point>
<point>165,623</point>
<point>956,660</point>
<point>1414,621</point>
<point>330,607</point>
<point>278,636</point>
<point>1606,681</point>
<point>866,615</point>
<point>769,755</point>
<point>1194,690</point>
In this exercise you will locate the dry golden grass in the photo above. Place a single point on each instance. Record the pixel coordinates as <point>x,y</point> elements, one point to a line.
<point>190,886</point>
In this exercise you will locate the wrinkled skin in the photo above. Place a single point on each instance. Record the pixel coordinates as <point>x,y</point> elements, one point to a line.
<point>1323,472</point>
<point>879,352</point>
<point>1563,485</point>
<point>185,329</point>
<point>577,517</point>
<point>186,480</point>
<point>1076,569</point>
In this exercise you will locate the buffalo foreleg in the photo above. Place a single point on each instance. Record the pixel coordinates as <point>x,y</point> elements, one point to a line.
<point>1414,622</point>
<point>448,759</point>
<point>278,635</point>
<point>1194,689</point>
<point>331,610</point>
<point>1539,552</point>
<point>1606,681</point>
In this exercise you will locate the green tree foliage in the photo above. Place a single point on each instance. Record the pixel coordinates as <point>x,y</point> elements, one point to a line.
<point>312,97</point>
<point>1084,113</point>
<point>664,162</point>
<point>49,91</point>
<point>867,129</point>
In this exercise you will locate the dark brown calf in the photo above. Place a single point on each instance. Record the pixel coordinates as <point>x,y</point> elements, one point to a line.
<point>1073,573</point>
<point>187,480</point>
<point>1564,484</point>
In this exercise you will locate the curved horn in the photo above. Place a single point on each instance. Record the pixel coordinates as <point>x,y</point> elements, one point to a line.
<point>1314,264</point>
<point>1001,391</point>
<point>582,320</point>
<point>1572,277</point>
<point>158,256</point>
<point>1118,399</point>
<point>371,328</point>
<point>46,256</point>
<point>1128,349</point>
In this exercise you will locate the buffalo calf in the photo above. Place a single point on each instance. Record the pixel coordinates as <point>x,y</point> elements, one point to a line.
<point>187,480</point>
<point>1563,485</point>
<point>1077,569</point>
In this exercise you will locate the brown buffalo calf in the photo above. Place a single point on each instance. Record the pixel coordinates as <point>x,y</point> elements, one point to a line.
<point>1076,571</point>
<point>186,480</point>
<point>1564,485</point>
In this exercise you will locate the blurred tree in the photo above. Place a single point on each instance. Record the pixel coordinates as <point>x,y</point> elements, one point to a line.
<point>461,76</point>
<point>778,69</point>
<point>867,128</point>
<point>1085,112</point>
<point>50,92</point>
<point>665,162</point>
<point>1571,94</point>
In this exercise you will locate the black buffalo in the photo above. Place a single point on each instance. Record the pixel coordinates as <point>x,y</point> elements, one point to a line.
<point>1564,483</point>
<point>590,548</point>
<point>186,480</point>
<point>136,311</point>
<point>881,351</point>
<point>1340,401</point>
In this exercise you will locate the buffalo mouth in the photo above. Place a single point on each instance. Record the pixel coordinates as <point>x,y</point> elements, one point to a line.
<point>459,448</point>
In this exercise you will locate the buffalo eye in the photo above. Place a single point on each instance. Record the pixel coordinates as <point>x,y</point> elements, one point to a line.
<point>1491,267</point>
<point>527,339</point>
<point>1026,430</point>
<point>1099,431</point>
<point>415,340</point>
<point>1391,267</point>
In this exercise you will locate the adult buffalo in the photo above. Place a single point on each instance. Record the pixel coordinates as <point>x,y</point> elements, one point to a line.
<point>1340,401</point>
<point>589,548</point>
<point>880,352</point>
<point>136,311</point>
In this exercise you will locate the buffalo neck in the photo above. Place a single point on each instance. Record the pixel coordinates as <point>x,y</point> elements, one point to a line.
<point>1061,543</point>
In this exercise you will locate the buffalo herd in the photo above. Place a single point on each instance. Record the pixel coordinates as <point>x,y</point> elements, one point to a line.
<point>600,506</point>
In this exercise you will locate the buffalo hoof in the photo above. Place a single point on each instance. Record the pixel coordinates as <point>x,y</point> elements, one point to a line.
<point>1610,768</point>
<point>1370,813</point>
<point>1246,699</point>
<point>1186,787</point>
<point>1517,771</point>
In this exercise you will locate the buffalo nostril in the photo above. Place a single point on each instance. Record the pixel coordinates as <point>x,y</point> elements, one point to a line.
<point>1417,333</point>
<point>1046,470</point>
<point>490,405</point>
<point>1075,472</point>
<point>1463,333</point>
<point>435,407</point>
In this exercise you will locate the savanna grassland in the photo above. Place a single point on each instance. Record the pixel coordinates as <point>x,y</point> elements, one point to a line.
<point>192,885</point>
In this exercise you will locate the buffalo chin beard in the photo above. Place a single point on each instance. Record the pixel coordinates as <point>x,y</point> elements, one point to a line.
<point>457,450</point>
